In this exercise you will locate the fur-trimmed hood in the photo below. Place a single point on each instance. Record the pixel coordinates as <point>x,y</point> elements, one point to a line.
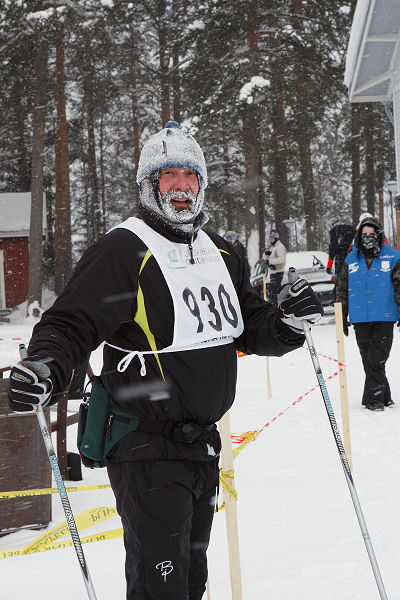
<point>376,224</point>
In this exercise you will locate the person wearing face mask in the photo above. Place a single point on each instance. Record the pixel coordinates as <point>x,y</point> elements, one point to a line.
<point>173,303</point>
<point>369,290</point>
<point>360,220</point>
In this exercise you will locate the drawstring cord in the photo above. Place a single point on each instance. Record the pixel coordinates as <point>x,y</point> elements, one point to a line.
<point>130,354</point>
<point>127,359</point>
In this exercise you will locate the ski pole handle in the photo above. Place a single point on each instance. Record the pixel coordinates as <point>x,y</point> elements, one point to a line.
<point>23,352</point>
<point>292,275</point>
<point>292,278</point>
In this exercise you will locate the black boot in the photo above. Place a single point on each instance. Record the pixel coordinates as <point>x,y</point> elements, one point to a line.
<point>375,406</point>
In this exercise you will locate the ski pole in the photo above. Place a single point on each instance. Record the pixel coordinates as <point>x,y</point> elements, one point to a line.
<point>62,491</point>
<point>342,453</point>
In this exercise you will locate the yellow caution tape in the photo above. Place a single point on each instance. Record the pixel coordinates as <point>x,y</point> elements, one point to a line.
<point>229,474</point>
<point>226,485</point>
<point>82,521</point>
<point>245,443</point>
<point>49,540</point>
<point>46,491</point>
<point>99,537</point>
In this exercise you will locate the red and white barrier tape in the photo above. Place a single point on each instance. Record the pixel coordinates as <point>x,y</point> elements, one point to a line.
<point>249,436</point>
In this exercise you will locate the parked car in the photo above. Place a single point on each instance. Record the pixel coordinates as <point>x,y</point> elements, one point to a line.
<point>310,264</point>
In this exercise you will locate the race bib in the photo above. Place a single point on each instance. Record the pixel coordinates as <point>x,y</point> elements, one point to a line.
<point>206,306</point>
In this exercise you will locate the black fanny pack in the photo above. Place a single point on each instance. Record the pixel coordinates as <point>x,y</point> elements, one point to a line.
<point>101,425</point>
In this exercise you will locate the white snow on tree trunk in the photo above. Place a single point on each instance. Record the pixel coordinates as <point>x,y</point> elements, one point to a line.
<point>256,82</point>
<point>252,247</point>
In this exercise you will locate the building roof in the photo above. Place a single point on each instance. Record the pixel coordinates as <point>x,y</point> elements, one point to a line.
<point>373,50</point>
<point>15,214</point>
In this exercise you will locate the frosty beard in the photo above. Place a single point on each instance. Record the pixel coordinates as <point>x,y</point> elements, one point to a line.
<point>180,215</point>
<point>180,220</point>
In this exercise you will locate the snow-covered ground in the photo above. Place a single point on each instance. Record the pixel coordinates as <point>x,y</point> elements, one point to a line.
<point>299,536</point>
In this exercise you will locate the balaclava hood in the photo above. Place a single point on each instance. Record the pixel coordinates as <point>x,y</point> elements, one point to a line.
<point>171,147</point>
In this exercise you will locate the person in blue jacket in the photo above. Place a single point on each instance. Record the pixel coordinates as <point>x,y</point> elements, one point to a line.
<point>369,290</point>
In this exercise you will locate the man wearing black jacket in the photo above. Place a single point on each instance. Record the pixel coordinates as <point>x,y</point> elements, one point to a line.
<point>172,304</point>
<point>340,238</point>
<point>232,238</point>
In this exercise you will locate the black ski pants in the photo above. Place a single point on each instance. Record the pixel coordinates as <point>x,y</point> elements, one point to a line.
<point>375,342</point>
<point>167,509</point>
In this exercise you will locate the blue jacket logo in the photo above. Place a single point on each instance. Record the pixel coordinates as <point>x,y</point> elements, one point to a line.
<point>385,265</point>
<point>353,267</point>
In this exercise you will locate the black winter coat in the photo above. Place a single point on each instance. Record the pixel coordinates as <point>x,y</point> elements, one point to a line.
<point>100,303</point>
<point>242,252</point>
<point>340,238</point>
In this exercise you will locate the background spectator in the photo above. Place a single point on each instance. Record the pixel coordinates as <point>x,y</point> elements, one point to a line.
<point>276,260</point>
<point>341,235</point>
<point>232,238</point>
<point>369,290</point>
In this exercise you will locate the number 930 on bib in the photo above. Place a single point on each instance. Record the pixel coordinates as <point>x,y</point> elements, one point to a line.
<point>206,306</point>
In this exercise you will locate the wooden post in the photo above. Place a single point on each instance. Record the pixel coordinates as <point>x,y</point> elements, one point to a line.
<point>230,508</point>
<point>343,382</point>
<point>265,286</point>
<point>269,391</point>
<point>61,427</point>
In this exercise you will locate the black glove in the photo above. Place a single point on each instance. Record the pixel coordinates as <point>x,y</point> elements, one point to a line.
<point>29,385</point>
<point>398,323</point>
<point>272,267</point>
<point>346,325</point>
<point>299,303</point>
<point>268,252</point>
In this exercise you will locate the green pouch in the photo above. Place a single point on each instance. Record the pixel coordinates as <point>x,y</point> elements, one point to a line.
<point>101,426</point>
<point>119,424</point>
<point>92,424</point>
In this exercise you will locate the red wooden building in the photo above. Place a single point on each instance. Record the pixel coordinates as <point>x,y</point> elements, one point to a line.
<point>15,212</point>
